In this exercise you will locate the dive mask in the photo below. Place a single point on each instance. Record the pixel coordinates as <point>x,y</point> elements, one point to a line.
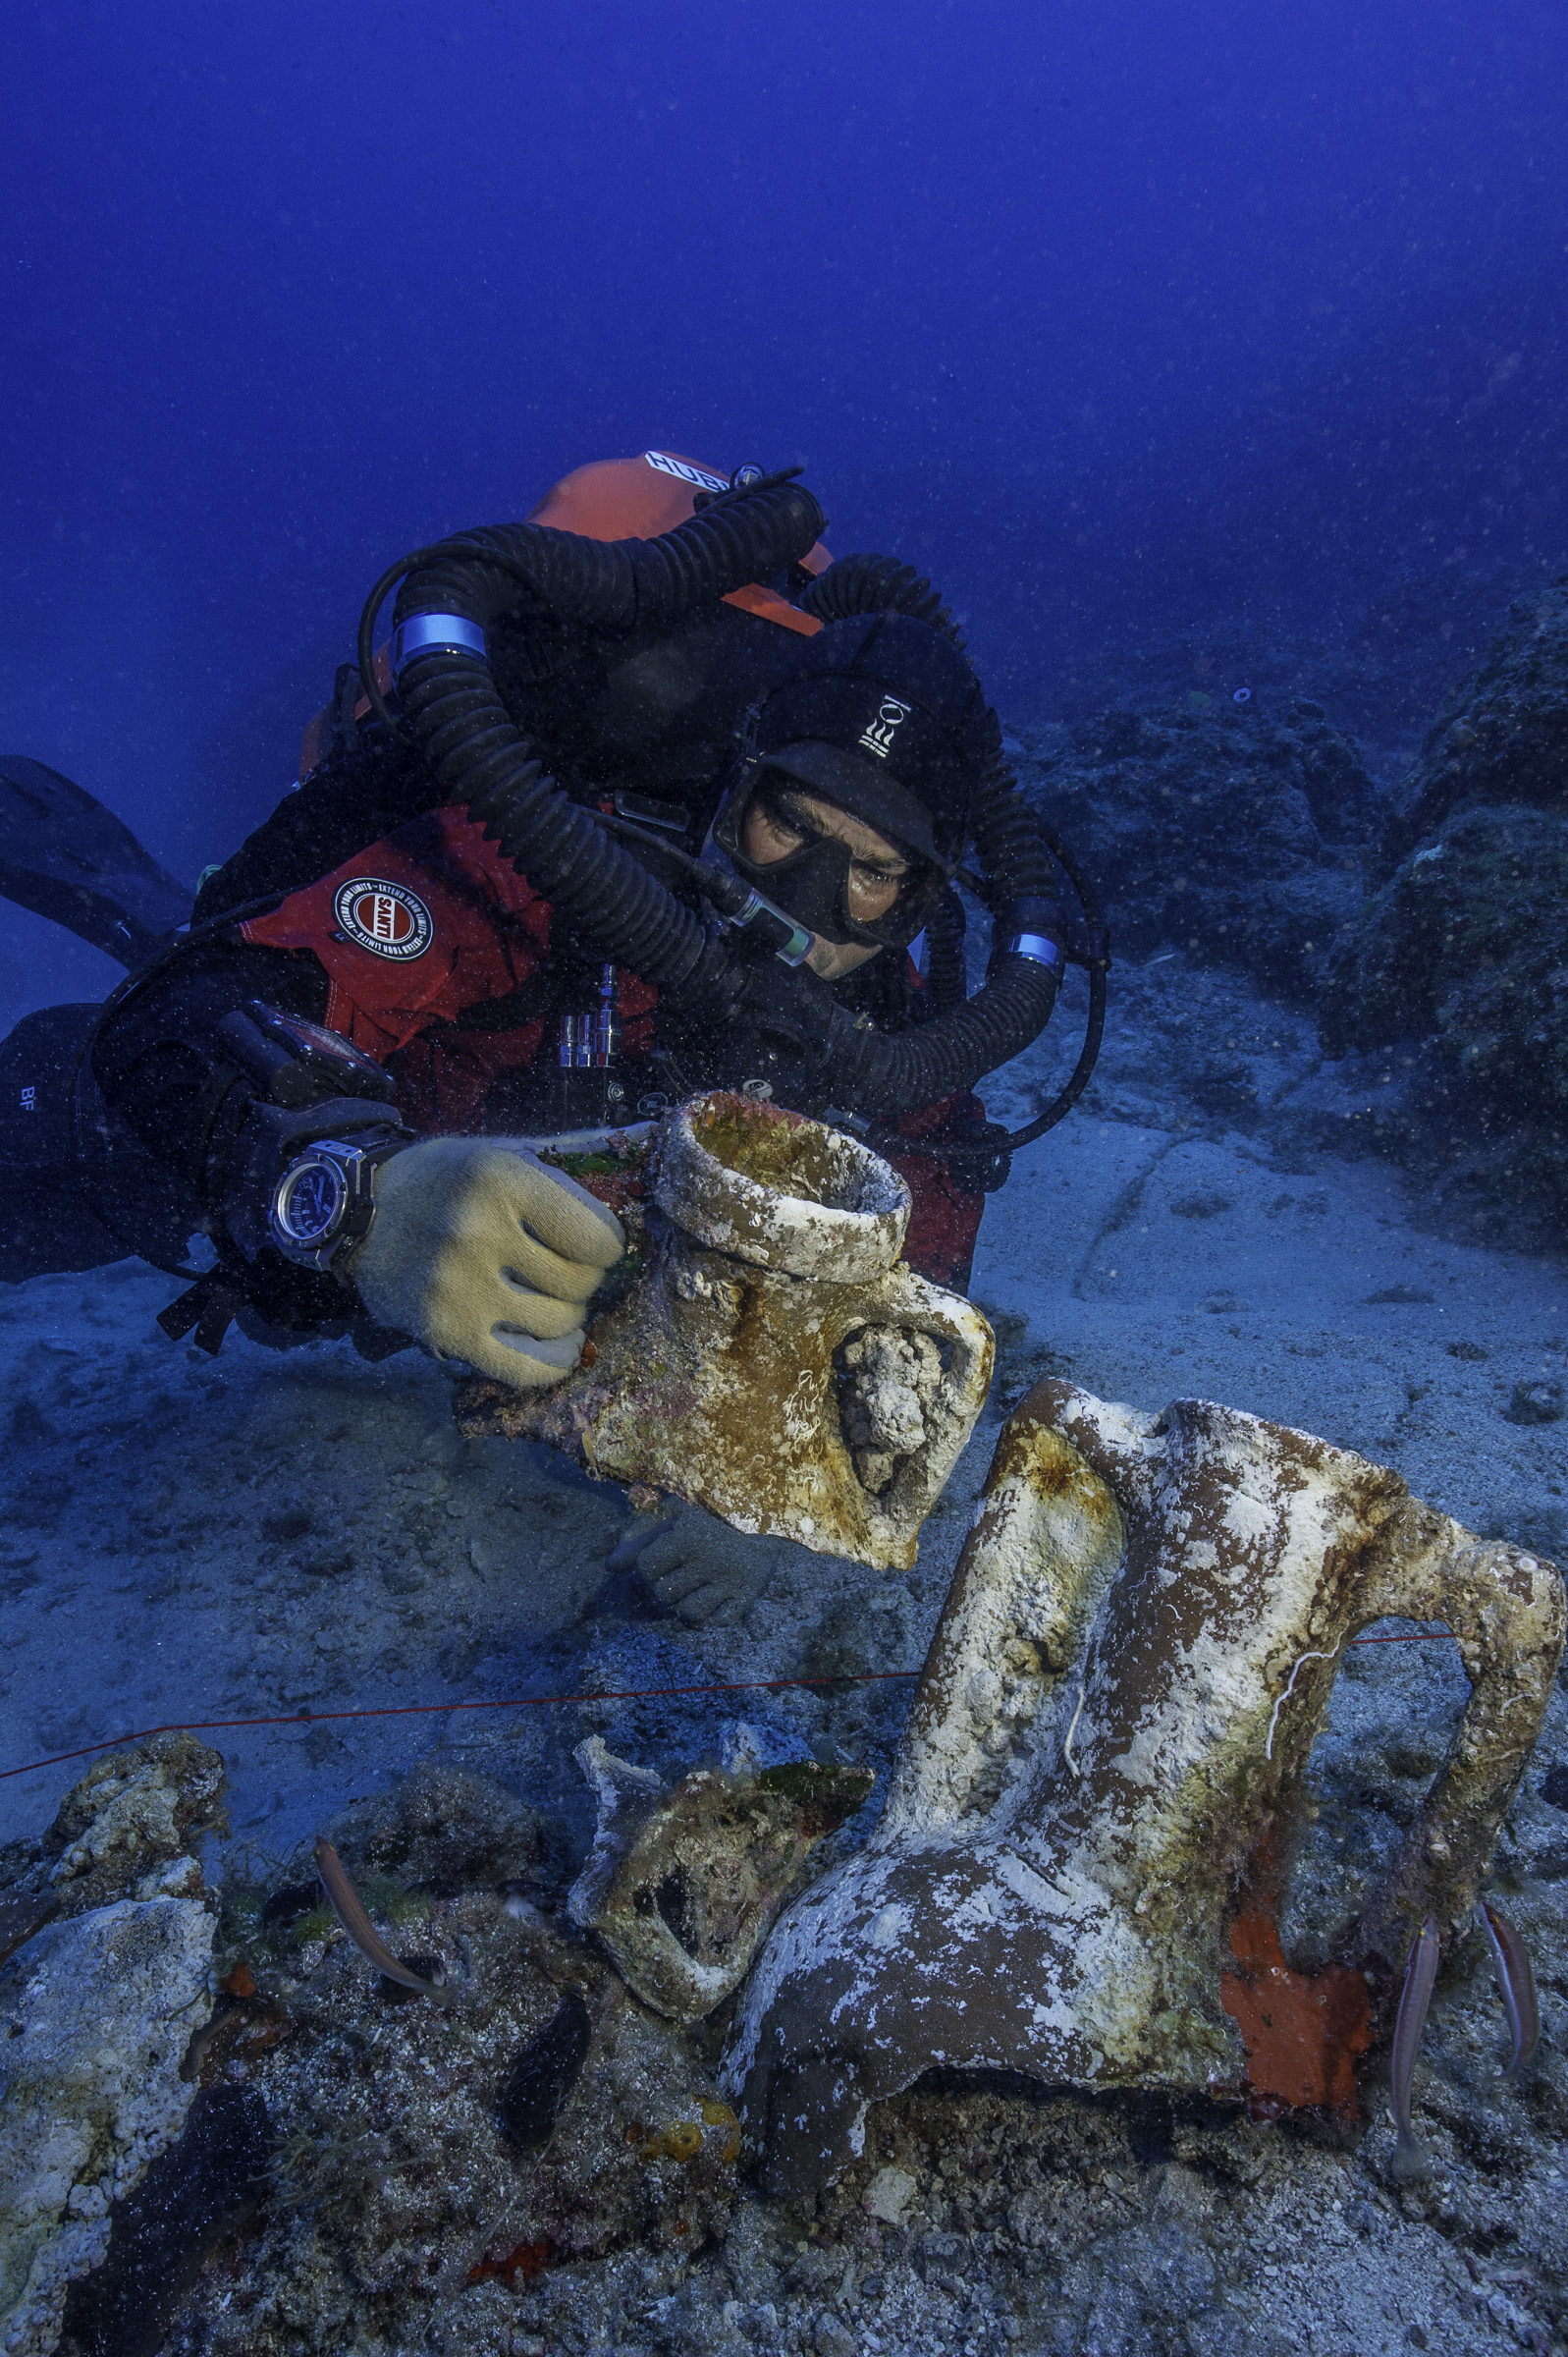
<point>813,882</point>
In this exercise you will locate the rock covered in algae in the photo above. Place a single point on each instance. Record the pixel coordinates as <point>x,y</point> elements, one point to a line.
<point>1454,975</point>
<point>95,2015</point>
<point>430,2161</point>
<point>106,1986</point>
<point>130,1827</point>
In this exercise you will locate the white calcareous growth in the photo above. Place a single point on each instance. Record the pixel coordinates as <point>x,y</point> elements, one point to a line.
<point>892,1384</point>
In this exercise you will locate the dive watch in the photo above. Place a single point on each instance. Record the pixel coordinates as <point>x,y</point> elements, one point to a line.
<point>322,1204</point>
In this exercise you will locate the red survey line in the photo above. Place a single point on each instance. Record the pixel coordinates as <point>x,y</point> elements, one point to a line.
<point>533,1702</point>
<point>420,1710</point>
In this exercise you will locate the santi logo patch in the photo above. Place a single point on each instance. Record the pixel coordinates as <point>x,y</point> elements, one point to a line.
<point>697,477</point>
<point>386,919</point>
<point>878,735</point>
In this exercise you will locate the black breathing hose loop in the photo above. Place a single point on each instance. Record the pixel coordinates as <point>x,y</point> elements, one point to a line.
<point>607,585</point>
<point>1097,963</point>
<point>481,760</point>
<point>878,585</point>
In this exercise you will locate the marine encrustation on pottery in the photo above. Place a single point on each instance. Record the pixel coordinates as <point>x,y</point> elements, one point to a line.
<point>776,1361</point>
<point>1073,1871</point>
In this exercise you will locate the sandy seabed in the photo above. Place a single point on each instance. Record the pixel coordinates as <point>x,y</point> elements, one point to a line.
<point>185,1539</point>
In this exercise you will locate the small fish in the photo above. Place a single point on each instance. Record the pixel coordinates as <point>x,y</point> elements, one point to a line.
<point>1409,2160</point>
<point>1510,1960</point>
<point>356,1923</point>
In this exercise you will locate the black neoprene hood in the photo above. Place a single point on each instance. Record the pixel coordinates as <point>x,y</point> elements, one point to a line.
<point>880,716</point>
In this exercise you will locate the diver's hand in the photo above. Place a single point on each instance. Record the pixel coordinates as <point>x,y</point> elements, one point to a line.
<point>483,1254</point>
<point>695,1563</point>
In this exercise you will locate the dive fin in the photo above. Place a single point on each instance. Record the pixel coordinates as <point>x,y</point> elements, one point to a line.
<point>64,857</point>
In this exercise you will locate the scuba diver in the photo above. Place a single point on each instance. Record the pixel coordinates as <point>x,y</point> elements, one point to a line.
<point>646,796</point>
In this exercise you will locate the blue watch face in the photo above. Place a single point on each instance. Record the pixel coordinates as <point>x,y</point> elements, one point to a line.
<point>311,1203</point>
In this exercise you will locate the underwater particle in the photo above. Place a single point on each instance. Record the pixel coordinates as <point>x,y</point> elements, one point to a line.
<point>545,2073</point>
<point>1241,696</point>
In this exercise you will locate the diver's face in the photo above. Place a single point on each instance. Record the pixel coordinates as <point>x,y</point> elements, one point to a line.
<point>877,868</point>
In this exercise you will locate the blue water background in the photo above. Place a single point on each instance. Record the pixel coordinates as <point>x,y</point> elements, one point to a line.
<point>1115,318</point>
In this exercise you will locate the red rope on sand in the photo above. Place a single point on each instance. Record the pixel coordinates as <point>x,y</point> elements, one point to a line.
<point>528,1702</point>
<point>419,1710</point>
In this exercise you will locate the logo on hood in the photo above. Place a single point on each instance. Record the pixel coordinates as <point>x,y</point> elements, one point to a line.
<point>878,735</point>
<point>386,919</point>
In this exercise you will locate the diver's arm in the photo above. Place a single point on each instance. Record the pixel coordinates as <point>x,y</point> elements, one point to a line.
<point>158,1062</point>
<point>323,1207</point>
<point>207,1081</point>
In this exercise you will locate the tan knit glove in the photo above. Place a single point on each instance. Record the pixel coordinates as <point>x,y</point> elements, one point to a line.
<point>483,1254</point>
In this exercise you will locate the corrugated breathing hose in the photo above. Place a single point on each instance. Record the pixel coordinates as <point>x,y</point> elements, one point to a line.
<point>454,593</point>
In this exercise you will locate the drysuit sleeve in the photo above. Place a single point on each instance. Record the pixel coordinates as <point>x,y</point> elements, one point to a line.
<point>157,1061</point>
<point>944,1223</point>
<point>174,1109</point>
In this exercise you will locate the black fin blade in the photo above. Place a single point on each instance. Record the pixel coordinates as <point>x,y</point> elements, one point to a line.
<point>66,857</point>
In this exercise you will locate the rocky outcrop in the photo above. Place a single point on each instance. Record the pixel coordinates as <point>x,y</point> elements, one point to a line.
<point>97,2013</point>
<point>1456,977</point>
<point>109,1935</point>
<point>1237,838</point>
<point>1455,973</point>
<point>108,1984</point>
<point>1502,736</point>
<point>1428,929</point>
<point>431,2158</point>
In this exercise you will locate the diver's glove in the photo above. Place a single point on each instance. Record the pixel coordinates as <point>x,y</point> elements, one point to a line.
<point>695,1563</point>
<point>483,1254</point>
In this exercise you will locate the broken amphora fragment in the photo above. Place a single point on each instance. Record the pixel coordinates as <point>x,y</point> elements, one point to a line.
<point>1104,1755</point>
<point>776,1361</point>
<point>682,1884</point>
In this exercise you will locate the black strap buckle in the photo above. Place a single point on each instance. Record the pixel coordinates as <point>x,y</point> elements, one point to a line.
<point>210,1306</point>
